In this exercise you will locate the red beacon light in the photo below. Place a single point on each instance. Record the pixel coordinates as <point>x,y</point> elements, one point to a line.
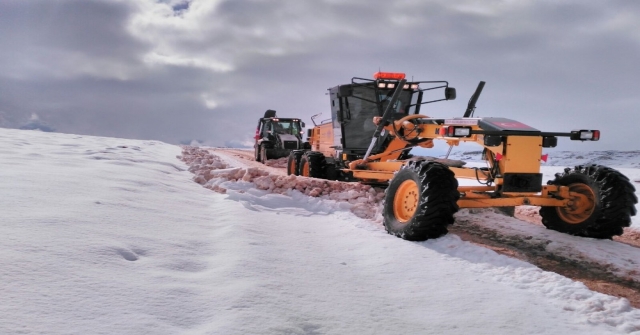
<point>389,75</point>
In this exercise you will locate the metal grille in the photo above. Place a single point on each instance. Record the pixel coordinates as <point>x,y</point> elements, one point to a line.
<point>290,145</point>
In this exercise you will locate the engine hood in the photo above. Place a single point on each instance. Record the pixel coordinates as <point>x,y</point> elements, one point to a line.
<point>287,137</point>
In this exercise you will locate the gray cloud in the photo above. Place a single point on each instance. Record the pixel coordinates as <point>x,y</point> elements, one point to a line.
<point>179,70</point>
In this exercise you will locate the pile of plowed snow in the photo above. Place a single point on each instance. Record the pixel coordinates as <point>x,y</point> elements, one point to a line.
<point>277,163</point>
<point>212,173</point>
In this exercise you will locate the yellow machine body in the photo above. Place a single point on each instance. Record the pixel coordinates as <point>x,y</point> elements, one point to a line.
<point>516,154</point>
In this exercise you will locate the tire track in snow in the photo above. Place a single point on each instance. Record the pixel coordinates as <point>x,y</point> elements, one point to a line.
<point>556,252</point>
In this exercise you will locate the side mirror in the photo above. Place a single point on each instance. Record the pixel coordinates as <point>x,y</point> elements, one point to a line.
<point>301,124</point>
<point>345,91</point>
<point>450,93</point>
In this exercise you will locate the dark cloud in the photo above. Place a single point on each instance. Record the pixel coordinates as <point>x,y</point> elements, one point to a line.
<point>180,7</point>
<point>177,70</point>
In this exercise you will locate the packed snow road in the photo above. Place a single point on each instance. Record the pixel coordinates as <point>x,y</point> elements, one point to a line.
<point>611,267</point>
<point>245,158</point>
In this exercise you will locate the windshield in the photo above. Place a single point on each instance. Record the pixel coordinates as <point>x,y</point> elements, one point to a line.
<point>285,127</point>
<point>402,104</point>
<point>360,109</point>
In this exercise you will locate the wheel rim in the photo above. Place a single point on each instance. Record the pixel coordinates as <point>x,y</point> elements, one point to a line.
<point>292,166</point>
<point>305,169</point>
<point>405,201</point>
<point>580,207</point>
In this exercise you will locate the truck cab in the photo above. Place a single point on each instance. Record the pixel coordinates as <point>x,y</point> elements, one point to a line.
<point>276,137</point>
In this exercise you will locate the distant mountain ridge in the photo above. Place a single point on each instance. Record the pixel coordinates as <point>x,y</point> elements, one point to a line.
<point>612,158</point>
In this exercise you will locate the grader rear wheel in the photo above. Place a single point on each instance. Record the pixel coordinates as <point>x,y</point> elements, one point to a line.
<point>602,204</point>
<point>293,162</point>
<point>420,201</point>
<point>304,167</point>
<point>312,164</point>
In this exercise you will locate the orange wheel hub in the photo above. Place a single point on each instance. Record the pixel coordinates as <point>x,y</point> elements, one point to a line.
<point>581,205</point>
<point>406,200</point>
<point>305,169</point>
<point>292,166</point>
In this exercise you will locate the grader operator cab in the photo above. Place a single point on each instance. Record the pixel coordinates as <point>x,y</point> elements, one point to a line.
<point>347,135</point>
<point>375,123</point>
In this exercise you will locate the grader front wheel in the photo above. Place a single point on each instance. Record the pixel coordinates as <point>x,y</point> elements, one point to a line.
<point>601,205</point>
<point>420,201</point>
<point>581,206</point>
<point>293,162</point>
<point>312,164</point>
<point>406,200</point>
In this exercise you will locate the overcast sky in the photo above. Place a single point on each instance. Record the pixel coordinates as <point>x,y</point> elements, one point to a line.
<point>177,70</point>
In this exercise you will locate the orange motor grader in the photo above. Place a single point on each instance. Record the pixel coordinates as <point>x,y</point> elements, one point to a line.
<point>376,122</point>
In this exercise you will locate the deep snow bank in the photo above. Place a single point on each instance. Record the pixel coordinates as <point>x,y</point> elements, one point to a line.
<point>211,172</point>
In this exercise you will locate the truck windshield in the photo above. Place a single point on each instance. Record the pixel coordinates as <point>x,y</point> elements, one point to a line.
<point>286,127</point>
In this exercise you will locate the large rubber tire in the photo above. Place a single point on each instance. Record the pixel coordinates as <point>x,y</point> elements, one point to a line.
<point>256,152</point>
<point>264,156</point>
<point>609,206</point>
<point>420,201</point>
<point>331,173</point>
<point>312,164</point>
<point>293,162</point>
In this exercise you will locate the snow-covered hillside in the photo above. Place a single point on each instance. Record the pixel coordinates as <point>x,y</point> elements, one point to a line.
<point>113,236</point>
<point>616,159</point>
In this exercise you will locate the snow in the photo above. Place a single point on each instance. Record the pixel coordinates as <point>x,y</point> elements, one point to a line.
<point>624,259</point>
<point>618,159</point>
<point>113,236</point>
<point>611,158</point>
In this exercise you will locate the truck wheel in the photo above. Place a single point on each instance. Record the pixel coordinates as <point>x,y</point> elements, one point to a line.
<point>256,153</point>
<point>312,164</point>
<point>420,201</point>
<point>604,205</point>
<point>293,162</point>
<point>263,154</point>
